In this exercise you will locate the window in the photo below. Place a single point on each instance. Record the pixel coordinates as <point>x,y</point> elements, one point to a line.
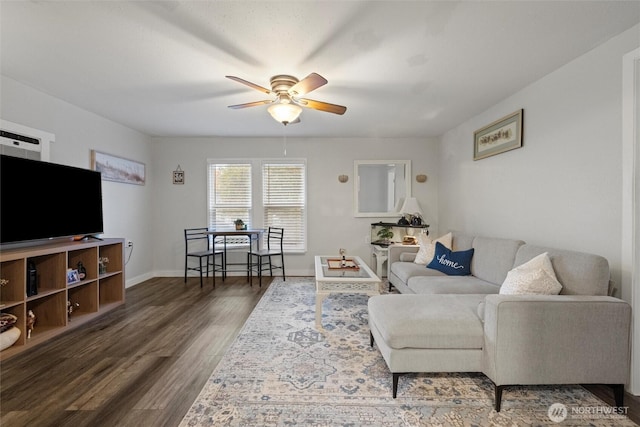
<point>229,194</point>
<point>284,201</point>
<point>262,193</point>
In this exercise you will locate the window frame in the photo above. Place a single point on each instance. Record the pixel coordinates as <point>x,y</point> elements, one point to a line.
<point>257,208</point>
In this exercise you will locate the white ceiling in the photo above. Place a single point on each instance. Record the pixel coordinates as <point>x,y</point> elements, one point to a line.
<point>403,69</point>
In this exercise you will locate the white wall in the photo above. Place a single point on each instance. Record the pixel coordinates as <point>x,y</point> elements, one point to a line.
<point>563,188</point>
<point>331,224</point>
<point>127,208</point>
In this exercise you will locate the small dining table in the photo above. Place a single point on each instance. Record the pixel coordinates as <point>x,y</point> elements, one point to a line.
<point>252,234</point>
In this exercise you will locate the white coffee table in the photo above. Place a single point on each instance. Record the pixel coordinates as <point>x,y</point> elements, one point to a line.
<point>342,280</point>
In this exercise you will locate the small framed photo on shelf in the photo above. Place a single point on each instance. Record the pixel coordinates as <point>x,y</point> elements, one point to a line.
<point>72,276</point>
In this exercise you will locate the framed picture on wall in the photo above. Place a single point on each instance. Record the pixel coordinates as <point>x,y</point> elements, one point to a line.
<point>118,169</point>
<point>497,137</point>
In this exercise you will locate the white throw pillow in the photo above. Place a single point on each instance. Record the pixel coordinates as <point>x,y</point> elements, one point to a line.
<point>535,277</point>
<point>428,247</point>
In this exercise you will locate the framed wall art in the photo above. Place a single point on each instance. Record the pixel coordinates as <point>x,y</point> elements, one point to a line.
<point>178,176</point>
<point>500,136</point>
<point>118,169</point>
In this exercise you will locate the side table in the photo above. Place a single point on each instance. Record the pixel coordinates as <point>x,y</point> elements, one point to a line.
<point>380,255</point>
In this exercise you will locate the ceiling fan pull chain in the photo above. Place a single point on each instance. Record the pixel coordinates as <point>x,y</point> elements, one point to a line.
<point>284,133</point>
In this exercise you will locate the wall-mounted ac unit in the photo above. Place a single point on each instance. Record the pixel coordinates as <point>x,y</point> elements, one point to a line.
<point>22,141</point>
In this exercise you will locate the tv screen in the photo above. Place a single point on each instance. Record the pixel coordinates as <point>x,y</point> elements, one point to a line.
<point>41,200</point>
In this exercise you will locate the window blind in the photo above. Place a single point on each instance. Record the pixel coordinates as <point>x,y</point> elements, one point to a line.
<point>284,201</point>
<point>229,194</point>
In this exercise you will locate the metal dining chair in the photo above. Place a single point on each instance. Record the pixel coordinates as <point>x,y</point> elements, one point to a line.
<point>199,246</point>
<point>274,248</point>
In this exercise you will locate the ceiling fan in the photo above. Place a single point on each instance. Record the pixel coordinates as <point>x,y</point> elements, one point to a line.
<point>288,91</point>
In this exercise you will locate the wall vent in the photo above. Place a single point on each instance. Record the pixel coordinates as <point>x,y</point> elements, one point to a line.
<point>22,141</point>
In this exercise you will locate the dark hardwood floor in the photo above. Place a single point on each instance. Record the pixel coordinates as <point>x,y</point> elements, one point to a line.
<point>142,364</point>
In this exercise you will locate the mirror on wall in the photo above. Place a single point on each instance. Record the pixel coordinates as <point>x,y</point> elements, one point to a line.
<point>380,187</point>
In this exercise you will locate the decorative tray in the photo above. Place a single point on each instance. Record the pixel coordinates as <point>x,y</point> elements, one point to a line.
<point>336,264</point>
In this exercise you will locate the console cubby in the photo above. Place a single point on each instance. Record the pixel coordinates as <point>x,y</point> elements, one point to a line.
<point>86,296</point>
<point>14,291</point>
<point>96,294</point>
<point>50,313</point>
<point>110,290</point>
<point>89,259</point>
<point>51,271</point>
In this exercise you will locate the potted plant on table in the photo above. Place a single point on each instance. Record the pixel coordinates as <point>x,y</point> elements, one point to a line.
<point>385,234</point>
<point>239,224</point>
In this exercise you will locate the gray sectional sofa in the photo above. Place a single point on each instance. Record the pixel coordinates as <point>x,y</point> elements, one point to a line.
<point>441,323</point>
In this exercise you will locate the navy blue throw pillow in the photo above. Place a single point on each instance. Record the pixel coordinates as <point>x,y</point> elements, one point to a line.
<point>451,263</point>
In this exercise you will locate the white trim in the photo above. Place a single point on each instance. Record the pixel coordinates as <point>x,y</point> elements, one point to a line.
<point>630,206</point>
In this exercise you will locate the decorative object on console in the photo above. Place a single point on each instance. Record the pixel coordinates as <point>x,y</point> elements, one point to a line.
<point>32,279</point>
<point>7,321</point>
<point>82,271</point>
<point>70,306</point>
<point>409,240</point>
<point>240,224</point>
<point>502,135</point>
<point>9,337</point>
<point>451,263</point>
<point>9,333</point>
<point>411,212</point>
<point>421,178</point>
<point>343,178</point>
<point>385,234</point>
<point>72,276</point>
<point>31,322</point>
<point>403,221</point>
<point>102,264</point>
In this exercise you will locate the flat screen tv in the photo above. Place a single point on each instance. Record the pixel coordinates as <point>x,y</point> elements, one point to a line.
<point>41,200</point>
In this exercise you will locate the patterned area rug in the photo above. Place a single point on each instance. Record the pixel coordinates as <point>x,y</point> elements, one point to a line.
<point>281,371</point>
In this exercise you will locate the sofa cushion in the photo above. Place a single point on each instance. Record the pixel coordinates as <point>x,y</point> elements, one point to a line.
<point>461,241</point>
<point>535,277</point>
<point>450,285</point>
<point>428,247</point>
<point>435,322</point>
<point>530,282</point>
<point>579,273</point>
<point>493,258</point>
<point>406,270</point>
<point>450,262</point>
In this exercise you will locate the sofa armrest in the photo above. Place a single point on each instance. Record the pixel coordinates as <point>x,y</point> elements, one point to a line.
<point>395,252</point>
<point>556,339</point>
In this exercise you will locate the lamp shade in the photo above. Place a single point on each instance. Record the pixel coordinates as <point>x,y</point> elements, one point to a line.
<point>284,113</point>
<point>411,206</point>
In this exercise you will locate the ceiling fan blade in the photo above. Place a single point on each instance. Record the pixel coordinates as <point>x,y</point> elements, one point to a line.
<point>322,106</point>
<point>312,82</point>
<point>251,104</point>
<point>251,85</point>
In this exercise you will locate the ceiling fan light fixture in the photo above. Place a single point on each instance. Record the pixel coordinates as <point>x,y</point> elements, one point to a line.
<point>284,113</point>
